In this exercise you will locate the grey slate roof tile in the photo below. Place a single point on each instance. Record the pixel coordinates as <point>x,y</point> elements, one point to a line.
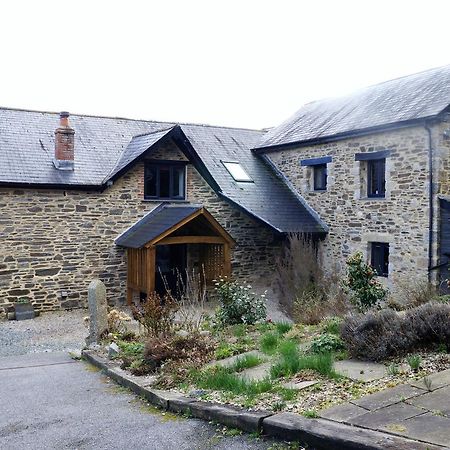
<point>154,224</point>
<point>413,97</point>
<point>104,146</point>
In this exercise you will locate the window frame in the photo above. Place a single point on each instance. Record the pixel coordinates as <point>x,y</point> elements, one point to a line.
<point>248,178</point>
<point>379,257</point>
<point>164,164</point>
<point>377,179</point>
<point>320,177</point>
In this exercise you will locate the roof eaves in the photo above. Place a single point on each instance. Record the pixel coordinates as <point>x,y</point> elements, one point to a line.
<point>345,135</point>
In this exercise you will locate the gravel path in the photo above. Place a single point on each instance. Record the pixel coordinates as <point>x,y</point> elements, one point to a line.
<point>50,332</point>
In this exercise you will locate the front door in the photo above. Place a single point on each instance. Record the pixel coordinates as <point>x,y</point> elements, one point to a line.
<point>170,268</point>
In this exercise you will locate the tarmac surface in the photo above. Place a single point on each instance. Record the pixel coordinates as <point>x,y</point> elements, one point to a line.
<point>50,401</point>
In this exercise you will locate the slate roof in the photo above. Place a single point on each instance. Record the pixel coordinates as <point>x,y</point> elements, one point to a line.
<point>154,224</point>
<point>105,146</point>
<point>411,98</point>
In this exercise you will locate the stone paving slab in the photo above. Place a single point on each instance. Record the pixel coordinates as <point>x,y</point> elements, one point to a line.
<point>299,385</point>
<point>343,413</point>
<point>226,362</point>
<point>360,370</point>
<point>437,401</point>
<point>382,417</point>
<point>388,397</point>
<point>438,380</point>
<point>426,427</point>
<point>257,373</point>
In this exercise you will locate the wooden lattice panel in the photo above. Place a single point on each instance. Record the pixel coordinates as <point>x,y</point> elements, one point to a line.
<point>212,259</point>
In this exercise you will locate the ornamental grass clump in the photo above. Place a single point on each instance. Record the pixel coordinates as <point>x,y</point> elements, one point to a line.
<point>238,304</point>
<point>364,289</point>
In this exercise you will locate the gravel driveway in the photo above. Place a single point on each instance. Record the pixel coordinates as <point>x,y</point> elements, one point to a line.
<point>50,332</point>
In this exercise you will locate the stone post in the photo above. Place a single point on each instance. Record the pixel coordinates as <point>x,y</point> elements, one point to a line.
<point>98,311</point>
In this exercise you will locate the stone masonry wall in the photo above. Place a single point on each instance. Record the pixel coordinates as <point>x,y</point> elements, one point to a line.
<point>401,219</point>
<point>54,242</point>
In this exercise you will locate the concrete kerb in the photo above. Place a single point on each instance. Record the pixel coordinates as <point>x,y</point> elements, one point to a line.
<point>322,434</point>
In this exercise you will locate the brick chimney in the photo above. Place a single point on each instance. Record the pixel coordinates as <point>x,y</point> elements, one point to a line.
<point>64,144</point>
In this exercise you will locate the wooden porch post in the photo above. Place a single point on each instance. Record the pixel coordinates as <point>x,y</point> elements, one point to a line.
<point>227,259</point>
<point>151,268</point>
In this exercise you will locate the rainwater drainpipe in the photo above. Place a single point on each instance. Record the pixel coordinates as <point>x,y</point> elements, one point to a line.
<point>430,199</point>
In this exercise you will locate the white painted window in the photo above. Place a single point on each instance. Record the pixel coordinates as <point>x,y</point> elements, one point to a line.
<point>236,171</point>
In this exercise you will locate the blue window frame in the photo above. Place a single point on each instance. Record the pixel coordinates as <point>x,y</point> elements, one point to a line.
<point>376,178</point>
<point>380,258</point>
<point>320,177</point>
<point>164,180</point>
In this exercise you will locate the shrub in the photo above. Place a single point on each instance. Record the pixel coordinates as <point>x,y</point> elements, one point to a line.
<point>269,342</point>
<point>377,335</point>
<point>156,314</point>
<point>326,343</point>
<point>225,350</point>
<point>238,304</point>
<point>160,349</point>
<point>411,293</point>
<point>365,290</point>
<point>116,321</point>
<point>307,293</point>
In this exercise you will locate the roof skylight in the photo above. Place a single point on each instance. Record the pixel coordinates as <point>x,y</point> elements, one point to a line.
<point>237,171</point>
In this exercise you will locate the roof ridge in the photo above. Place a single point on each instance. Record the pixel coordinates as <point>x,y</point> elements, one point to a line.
<point>153,132</point>
<point>131,119</point>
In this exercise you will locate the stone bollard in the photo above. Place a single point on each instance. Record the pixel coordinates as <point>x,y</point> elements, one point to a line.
<point>98,311</point>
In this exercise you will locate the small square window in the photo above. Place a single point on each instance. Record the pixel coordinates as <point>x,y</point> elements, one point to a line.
<point>320,177</point>
<point>376,178</point>
<point>164,180</point>
<point>237,171</point>
<point>380,258</point>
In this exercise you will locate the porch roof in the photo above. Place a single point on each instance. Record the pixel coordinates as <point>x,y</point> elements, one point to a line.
<point>162,221</point>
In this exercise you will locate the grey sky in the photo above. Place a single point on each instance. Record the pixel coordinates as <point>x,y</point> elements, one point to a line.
<point>238,63</point>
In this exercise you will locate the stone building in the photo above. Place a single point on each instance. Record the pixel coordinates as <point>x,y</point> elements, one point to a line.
<point>100,197</point>
<point>67,192</point>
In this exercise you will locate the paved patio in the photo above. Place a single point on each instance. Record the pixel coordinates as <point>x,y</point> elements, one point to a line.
<point>418,410</point>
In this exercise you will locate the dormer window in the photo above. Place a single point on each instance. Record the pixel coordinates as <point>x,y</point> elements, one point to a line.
<point>237,171</point>
<point>164,180</point>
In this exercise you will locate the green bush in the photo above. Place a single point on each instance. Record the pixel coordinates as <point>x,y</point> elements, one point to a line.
<point>326,343</point>
<point>365,290</point>
<point>238,304</point>
<point>332,325</point>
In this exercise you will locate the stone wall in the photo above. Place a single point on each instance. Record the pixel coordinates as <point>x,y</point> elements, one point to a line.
<point>54,242</point>
<point>401,218</point>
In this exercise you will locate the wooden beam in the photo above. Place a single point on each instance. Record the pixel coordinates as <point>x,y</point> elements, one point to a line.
<point>218,228</point>
<point>174,228</point>
<point>192,240</point>
<point>129,296</point>
<point>151,268</point>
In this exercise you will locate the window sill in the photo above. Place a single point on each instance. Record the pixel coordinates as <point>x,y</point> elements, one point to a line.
<point>373,198</point>
<point>163,200</point>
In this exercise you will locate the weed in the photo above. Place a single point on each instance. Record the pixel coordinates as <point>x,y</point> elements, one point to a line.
<point>331,325</point>
<point>291,362</point>
<point>326,343</point>
<point>310,414</point>
<point>283,327</point>
<point>414,362</point>
<point>288,394</point>
<point>442,348</point>
<point>427,382</point>
<point>245,362</point>
<point>278,406</point>
<point>220,379</point>
<point>225,350</point>
<point>393,369</point>
<point>239,330</point>
<point>269,342</point>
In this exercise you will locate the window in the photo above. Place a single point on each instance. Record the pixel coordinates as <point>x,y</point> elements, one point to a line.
<point>164,180</point>
<point>380,258</point>
<point>320,177</point>
<point>237,171</point>
<point>376,179</point>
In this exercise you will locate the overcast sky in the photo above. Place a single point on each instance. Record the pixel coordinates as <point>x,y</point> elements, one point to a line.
<point>237,63</point>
